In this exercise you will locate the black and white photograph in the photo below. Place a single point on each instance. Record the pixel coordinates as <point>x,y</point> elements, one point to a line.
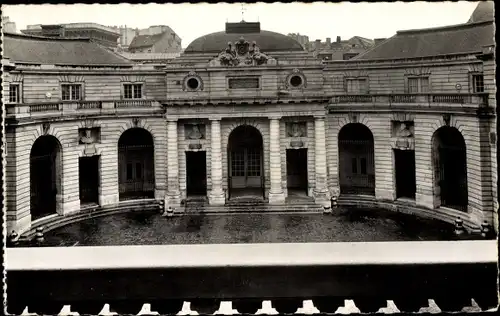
<point>249,158</point>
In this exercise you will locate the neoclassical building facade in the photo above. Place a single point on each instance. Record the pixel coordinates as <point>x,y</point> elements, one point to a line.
<point>246,116</point>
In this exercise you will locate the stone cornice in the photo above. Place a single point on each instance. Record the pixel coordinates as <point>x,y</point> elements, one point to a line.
<point>400,65</point>
<point>118,72</point>
<point>244,101</point>
<point>202,68</point>
<point>15,122</point>
<point>456,110</point>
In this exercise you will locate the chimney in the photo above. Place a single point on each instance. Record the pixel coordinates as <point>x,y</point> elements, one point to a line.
<point>338,39</point>
<point>328,41</point>
<point>379,40</point>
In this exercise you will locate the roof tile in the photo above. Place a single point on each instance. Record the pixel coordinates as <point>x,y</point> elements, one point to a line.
<point>51,51</point>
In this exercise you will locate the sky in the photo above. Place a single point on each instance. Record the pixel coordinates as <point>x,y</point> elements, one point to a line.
<point>317,20</point>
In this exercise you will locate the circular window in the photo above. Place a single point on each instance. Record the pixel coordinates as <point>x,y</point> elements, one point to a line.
<point>193,83</point>
<point>296,81</point>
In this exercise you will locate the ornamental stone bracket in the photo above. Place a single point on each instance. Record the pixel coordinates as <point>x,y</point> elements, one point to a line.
<point>242,53</point>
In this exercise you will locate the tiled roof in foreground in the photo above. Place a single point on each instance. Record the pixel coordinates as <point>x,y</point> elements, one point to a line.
<point>58,51</point>
<point>456,39</point>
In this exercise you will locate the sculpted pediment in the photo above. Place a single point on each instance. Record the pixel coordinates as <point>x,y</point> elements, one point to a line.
<point>242,53</point>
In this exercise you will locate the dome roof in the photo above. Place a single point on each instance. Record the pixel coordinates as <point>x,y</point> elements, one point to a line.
<point>483,12</point>
<point>267,41</point>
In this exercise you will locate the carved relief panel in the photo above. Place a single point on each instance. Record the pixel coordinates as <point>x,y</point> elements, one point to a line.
<point>89,137</point>
<point>403,134</point>
<point>296,131</point>
<point>194,131</point>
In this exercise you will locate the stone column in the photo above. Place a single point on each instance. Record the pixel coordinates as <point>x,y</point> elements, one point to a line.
<point>321,194</point>
<point>216,196</point>
<point>276,194</point>
<point>172,198</point>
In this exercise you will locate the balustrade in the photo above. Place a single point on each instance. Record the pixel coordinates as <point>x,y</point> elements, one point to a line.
<point>132,103</point>
<point>443,98</point>
<point>403,276</point>
<point>44,107</point>
<point>83,105</point>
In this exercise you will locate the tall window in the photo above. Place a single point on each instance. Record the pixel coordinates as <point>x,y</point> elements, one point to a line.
<point>357,85</point>
<point>14,91</point>
<point>477,83</point>
<point>132,91</point>
<point>71,92</point>
<point>418,85</point>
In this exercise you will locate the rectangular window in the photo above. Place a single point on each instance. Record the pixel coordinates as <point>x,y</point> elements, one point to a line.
<point>357,86</point>
<point>71,92</point>
<point>14,91</point>
<point>132,91</point>
<point>244,83</point>
<point>478,83</point>
<point>418,85</point>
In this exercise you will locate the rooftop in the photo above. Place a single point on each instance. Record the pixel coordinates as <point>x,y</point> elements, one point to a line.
<point>145,40</point>
<point>30,49</point>
<point>454,39</point>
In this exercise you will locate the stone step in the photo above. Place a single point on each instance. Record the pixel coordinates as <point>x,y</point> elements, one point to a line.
<point>264,208</point>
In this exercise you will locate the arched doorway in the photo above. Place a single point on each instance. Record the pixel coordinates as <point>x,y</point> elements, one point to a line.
<point>136,164</point>
<point>245,156</point>
<point>45,176</point>
<point>356,160</point>
<point>450,167</point>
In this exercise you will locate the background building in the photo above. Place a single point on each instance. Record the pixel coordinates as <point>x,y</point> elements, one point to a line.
<point>337,50</point>
<point>99,33</point>
<point>156,39</point>
<point>8,26</point>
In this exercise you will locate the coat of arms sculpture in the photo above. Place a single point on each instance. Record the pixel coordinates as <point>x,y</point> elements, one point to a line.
<point>241,53</point>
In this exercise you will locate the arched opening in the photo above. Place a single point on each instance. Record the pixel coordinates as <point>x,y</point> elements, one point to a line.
<point>246,171</point>
<point>136,164</point>
<point>45,176</point>
<point>450,168</point>
<point>356,160</point>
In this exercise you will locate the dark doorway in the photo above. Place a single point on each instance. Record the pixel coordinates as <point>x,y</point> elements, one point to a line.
<point>196,173</point>
<point>296,171</point>
<point>136,164</point>
<point>45,177</point>
<point>245,153</point>
<point>450,165</point>
<point>405,173</point>
<point>89,180</point>
<point>356,160</point>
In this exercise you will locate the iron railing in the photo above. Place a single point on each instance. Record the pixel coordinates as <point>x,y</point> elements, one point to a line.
<point>126,277</point>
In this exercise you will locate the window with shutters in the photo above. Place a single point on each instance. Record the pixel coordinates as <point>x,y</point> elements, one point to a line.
<point>477,83</point>
<point>132,90</point>
<point>418,84</point>
<point>71,92</point>
<point>357,85</point>
<point>14,93</point>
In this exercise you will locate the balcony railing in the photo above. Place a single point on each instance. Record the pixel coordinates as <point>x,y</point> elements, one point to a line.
<point>82,105</point>
<point>407,273</point>
<point>132,103</point>
<point>45,107</point>
<point>435,98</point>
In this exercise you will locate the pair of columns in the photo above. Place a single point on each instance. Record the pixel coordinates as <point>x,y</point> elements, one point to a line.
<point>276,193</point>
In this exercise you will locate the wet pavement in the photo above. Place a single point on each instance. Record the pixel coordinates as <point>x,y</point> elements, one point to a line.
<point>150,228</point>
